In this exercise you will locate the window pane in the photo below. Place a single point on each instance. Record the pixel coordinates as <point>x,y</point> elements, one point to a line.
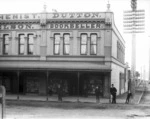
<point>21,44</point>
<point>30,49</point>
<point>56,49</point>
<point>66,49</point>
<point>6,44</point>
<point>93,39</point>
<point>93,49</point>
<point>30,44</point>
<point>83,49</point>
<point>6,39</point>
<point>22,39</point>
<point>57,39</point>
<point>6,49</point>
<point>83,39</point>
<point>66,39</point>
<point>30,39</point>
<point>21,49</point>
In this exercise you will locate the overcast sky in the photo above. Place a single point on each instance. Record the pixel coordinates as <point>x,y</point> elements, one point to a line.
<point>117,6</point>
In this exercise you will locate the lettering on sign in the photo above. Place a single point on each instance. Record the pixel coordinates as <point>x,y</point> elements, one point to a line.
<point>54,26</point>
<point>76,26</point>
<point>19,16</point>
<point>15,26</point>
<point>76,15</point>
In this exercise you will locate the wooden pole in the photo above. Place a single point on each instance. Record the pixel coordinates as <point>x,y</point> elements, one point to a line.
<point>18,78</point>
<point>47,75</point>
<point>3,92</point>
<point>78,86</point>
<point>109,77</point>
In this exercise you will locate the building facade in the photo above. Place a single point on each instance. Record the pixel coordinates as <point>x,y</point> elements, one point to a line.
<point>79,51</point>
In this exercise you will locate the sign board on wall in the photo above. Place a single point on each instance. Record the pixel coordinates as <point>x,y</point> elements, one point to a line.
<point>77,15</point>
<point>93,25</point>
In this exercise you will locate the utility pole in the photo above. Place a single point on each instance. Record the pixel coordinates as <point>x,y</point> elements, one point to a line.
<point>149,60</point>
<point>134,23</point>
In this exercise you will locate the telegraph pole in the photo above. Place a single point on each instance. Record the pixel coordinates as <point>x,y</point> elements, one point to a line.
<point>149,60</point>
<point>133,24</point>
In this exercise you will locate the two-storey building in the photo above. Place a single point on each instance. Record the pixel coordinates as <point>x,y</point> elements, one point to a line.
<point>78,50</point>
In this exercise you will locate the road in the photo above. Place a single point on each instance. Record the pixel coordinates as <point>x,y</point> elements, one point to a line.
<point>47,110</point>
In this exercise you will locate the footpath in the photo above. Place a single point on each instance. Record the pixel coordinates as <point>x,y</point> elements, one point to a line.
<point>54,99</point>
<point>139,91</point>
<point>40,100</point>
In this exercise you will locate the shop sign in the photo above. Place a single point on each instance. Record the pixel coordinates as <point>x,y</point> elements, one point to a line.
<point>76,26</point>
<point>77,15</point>
<point>53,26</point>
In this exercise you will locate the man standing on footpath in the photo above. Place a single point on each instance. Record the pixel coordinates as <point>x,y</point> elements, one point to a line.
<point>113,92</point>
<point>97,93</point>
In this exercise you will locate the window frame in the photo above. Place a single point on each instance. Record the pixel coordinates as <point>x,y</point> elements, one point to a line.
<point>19,44</point>
<point>86,52</point>
<point>66,44</point>
<point>30,44</point>
<point>5,44</point>
<point>57,44</point>
<point>93,44</point>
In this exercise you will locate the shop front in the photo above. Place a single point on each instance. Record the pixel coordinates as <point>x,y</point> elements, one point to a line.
<point>45,83</point>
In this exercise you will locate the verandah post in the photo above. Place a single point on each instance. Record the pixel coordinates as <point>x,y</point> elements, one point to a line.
<point>18,78</point>
<point>78,86</point>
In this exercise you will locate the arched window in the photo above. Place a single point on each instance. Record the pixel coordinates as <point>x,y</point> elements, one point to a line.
<point>30,43</point>
<point>66,44</point>
<point>84,44</point>
<point>56,44</point>
<point>21,44</point>
<point>93,44</point>
<point>5,44</point>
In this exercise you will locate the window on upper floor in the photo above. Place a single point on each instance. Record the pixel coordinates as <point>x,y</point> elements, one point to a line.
<point>5,44</point>
<point>84,44</point>
<point>21,44</point>
<point>66,45</point>
<point>56,44</point>
<point>30,44</point>
<point>93,44</point>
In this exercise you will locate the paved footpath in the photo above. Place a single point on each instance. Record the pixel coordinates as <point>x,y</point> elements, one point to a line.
<point>146,96</point>
<point>139,91</point>
<point>90,99</point>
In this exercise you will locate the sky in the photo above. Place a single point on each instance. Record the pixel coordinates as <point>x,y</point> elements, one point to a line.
<point>117,6</point>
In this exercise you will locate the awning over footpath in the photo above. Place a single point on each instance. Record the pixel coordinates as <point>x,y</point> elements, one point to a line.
<point>56,66</point>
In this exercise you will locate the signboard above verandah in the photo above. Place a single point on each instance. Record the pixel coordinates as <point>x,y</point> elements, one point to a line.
<point>92,25</point>
<point>56,15</point>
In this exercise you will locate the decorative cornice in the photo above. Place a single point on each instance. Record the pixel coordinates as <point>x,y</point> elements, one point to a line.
<point>75,20</point>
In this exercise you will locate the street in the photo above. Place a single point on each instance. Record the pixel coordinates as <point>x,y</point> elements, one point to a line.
<point>44,110</point>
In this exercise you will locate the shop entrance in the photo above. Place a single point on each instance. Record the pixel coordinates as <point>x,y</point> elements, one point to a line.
<point>72,85</point>
<point>68,82</point>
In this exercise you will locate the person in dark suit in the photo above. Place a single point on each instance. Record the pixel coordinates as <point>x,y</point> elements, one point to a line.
<point>59,91</point>
<point>97,93</point>
<point>113,92</point>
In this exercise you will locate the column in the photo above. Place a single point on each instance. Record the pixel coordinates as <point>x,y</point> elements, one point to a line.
<point>109,80</point>
<point>47,76</point>
<point>18,78</point>
<point>78,86</point>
